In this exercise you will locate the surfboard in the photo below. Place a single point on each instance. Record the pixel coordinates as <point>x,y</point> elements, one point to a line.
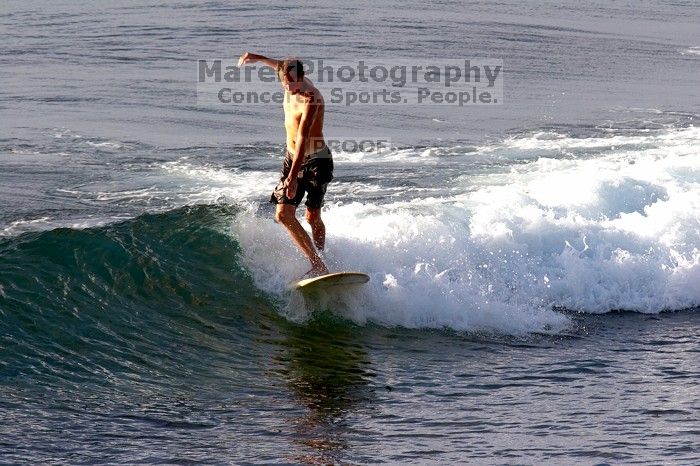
<point>330,280</point>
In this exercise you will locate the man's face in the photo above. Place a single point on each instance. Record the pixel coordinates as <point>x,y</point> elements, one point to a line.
<point>291,86</point>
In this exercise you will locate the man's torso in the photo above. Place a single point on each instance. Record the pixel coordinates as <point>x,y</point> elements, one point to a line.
<point>294,106</point>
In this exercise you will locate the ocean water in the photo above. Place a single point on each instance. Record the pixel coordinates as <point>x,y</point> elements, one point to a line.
<point>535,266</point>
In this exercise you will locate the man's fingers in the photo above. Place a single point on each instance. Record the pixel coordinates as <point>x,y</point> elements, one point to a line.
<point>290,190</point>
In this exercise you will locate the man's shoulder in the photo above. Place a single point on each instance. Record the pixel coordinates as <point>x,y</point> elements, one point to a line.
<point>316,98</point>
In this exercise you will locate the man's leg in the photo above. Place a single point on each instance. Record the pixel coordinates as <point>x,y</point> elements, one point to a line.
<point>318,229</point>
<point>286,215</point>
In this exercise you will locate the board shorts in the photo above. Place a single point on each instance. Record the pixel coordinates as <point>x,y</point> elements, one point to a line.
<point>314,175</point>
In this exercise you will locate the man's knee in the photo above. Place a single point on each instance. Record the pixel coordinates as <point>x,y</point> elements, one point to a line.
<point>313,216</point>
<point>284,215</point>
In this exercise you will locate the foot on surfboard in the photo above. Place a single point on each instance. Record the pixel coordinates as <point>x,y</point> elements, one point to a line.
<point>315,272</point>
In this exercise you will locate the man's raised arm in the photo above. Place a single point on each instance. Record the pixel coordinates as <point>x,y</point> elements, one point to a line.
<point>252,58</point>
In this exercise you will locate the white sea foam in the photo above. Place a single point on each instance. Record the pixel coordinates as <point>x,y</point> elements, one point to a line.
<point>65,133</point>
<point>20,226</point>
<point>209,183</point>
<point>691,51</point>
<point>46,223</point>
<point>617,231</point>
<point>404,154</point>
<point>105,144</point>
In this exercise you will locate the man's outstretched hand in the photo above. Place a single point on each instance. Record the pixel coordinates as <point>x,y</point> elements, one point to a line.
<point>245,58</point>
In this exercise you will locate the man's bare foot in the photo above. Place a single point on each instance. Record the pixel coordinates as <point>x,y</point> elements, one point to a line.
<point>318,267</point>
<point>316,272</point>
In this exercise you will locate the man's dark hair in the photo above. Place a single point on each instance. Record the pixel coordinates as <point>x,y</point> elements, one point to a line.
<point>292,68</point>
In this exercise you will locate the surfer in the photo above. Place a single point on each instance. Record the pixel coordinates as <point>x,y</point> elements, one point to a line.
<point>308,163</point>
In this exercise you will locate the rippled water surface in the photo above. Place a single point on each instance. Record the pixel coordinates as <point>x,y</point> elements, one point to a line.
<point>534,265</point>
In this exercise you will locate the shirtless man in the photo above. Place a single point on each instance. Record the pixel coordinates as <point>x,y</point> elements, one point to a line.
<point>308,164</point>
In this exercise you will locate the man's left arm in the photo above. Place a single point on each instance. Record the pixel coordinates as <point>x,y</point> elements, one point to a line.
<point>307,118</point>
